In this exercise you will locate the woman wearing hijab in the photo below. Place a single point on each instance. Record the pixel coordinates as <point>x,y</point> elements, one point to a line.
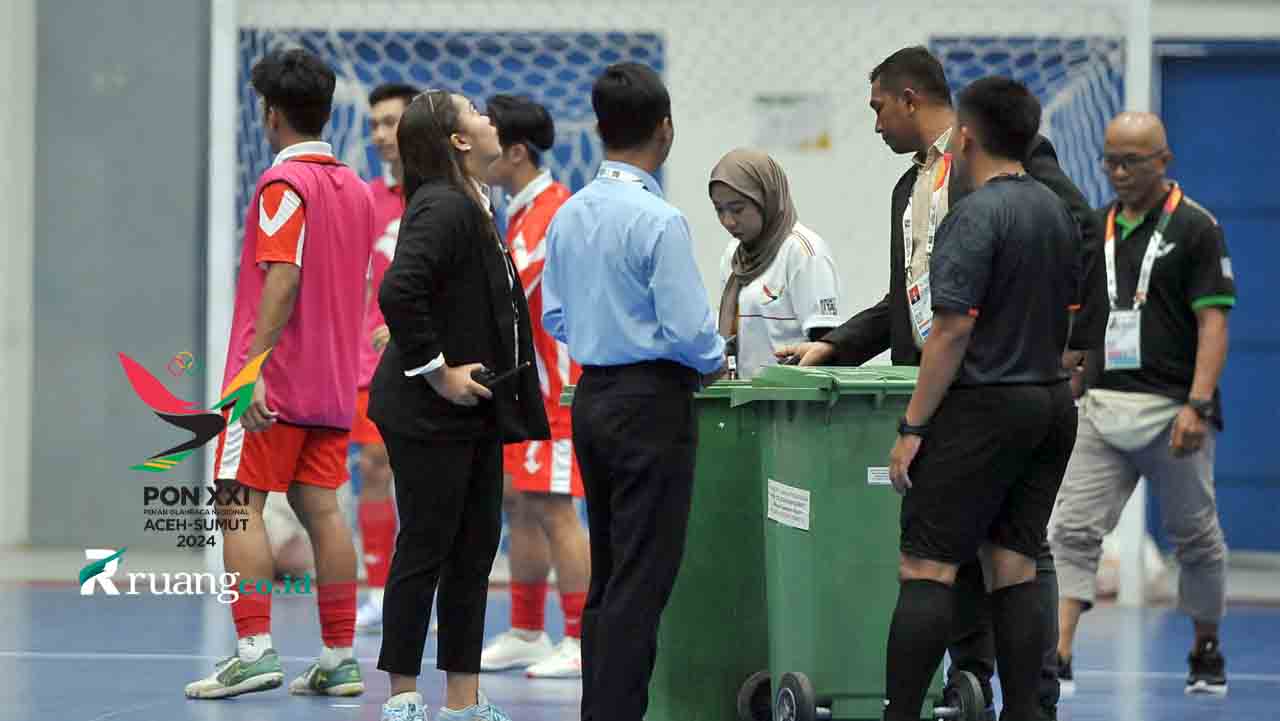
<point>778,280</point>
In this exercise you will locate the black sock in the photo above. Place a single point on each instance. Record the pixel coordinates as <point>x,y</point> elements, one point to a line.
<point>917,639</point>
<point>1020,630</point>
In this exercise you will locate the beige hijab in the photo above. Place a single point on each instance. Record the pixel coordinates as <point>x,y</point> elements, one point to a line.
<point>760,178</point>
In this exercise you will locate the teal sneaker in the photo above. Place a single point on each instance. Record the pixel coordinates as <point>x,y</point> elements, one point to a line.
<point>232,677</point>
<point>414,710</point>
<point>482,711</point>
<point>345,680</point>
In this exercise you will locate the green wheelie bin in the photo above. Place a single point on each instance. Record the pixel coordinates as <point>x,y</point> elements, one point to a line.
<point>713,633</point>
<point>831,535</point>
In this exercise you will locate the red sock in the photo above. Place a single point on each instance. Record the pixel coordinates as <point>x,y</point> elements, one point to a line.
<point>337,603</point>
<point>571,604</point>
<point>378,534</point>
<point>528,605</point>
<point>252,614</point>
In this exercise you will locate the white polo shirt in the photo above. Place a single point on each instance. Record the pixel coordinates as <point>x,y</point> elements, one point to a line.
<point>798,293</point>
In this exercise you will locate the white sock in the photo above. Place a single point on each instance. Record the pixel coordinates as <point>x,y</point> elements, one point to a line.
<point>375,595</point>
<point>525,634</point>
<point>330,658</point>
<point>404,699</point>
<point>251,648</point>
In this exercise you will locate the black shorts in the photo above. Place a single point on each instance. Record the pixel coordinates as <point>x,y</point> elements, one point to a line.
<point>989,471</point>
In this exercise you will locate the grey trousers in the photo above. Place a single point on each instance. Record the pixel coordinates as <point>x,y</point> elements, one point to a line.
<point>1099,480</point>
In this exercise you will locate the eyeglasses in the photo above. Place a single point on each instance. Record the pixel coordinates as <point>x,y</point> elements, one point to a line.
<point>1125,162</point>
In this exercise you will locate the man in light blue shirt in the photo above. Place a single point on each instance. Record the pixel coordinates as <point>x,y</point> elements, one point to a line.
<point>621,289</point>
<point>621,285</point>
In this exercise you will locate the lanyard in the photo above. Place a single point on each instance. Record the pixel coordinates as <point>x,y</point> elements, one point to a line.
<point>935,203</point>
<point>1148,258</point>
<point>619,174</point>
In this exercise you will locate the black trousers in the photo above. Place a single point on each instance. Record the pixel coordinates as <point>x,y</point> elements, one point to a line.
<point>973,645</point>
<point>635,437</point>
<point>449,497</point>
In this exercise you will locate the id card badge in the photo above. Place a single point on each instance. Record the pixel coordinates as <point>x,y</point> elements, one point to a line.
<point>1124,340</point>
<point>921,301</point>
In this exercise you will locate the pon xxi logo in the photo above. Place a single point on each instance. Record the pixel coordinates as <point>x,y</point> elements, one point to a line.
<point>205,425</point>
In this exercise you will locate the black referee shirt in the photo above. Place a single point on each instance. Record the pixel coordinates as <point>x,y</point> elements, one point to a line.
<point>1008,254</point>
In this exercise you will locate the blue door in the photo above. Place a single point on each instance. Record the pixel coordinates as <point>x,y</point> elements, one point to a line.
<point>1220,103</point>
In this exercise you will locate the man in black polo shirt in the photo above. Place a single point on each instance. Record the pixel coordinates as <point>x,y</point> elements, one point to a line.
<point>988,431</point>
<point>1154,408</point>
<point>912,102</point>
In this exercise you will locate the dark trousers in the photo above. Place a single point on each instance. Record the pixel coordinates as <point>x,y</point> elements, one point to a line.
<point>449,497</point>
<point>973,646</point>
<point>634,434</point>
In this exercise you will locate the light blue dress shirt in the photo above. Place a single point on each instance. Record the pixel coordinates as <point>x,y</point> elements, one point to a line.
<point>620,283</point>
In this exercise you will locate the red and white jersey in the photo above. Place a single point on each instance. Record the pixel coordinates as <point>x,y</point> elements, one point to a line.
<point>388,207</point>
<point>529,215</point>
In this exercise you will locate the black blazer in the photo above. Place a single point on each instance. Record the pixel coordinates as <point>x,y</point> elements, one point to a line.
<point>452,289</point>
<point>887,324</point>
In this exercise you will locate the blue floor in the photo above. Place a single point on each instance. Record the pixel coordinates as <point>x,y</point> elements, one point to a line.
<point>64,657</point>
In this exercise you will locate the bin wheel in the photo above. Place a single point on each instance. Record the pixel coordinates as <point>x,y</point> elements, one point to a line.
<point>796,700</point>
<point>965,699</point>
<point>754,696</point>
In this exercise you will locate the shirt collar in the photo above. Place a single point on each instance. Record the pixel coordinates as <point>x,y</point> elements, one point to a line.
<point>307,147</point>
<point>937,150</point>
<point>532,190</point>
<point>389,178</point>
<point>650,183</point>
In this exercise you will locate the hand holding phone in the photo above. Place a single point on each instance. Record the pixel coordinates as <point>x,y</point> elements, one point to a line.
<point>489,379</point>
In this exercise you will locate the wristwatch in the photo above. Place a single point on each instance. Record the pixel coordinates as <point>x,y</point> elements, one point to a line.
<point>1204,409</point>
<point>906,429</point>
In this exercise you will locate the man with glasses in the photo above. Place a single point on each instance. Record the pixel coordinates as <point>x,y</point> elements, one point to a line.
<point>1153,409</point>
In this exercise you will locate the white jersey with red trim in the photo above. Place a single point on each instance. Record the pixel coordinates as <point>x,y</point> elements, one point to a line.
<point>798,293</point>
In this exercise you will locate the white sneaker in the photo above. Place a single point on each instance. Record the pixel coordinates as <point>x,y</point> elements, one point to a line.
<point>566,662</point>
<point>369,617</point>
<point>516,649</point>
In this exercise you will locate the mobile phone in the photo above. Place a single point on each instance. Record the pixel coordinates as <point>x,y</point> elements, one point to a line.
<point>486,377</point>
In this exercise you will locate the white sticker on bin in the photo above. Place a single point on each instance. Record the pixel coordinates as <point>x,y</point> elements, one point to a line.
<point>788,505</point>
<point>878,476</point>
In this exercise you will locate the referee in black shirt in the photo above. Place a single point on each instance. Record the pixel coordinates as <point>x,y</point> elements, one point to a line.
<point>986,438</point>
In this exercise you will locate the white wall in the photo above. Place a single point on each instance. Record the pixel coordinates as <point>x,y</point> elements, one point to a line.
<point>17,221</point>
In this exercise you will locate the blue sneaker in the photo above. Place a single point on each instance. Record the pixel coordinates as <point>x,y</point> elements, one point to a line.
<point>482,711</point>
<point>414,710</point>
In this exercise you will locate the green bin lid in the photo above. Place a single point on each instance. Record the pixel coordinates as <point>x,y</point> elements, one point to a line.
<point>720,389</point>
<point>860,380</point>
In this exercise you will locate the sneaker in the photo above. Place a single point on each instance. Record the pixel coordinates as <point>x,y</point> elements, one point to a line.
<point>412,711</point>
<point>482,711</point>
<point>232,677</point>
<point>369,617</point>
<point>1208,670</point>
<point>1066,678</point>
<point>566,662</point>
<point>345,680</point>
<point>515,649</point>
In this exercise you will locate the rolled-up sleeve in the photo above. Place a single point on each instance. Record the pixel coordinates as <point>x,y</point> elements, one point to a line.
<point>680,300</point>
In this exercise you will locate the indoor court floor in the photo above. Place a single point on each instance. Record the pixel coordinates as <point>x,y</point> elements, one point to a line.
<point>64,657</point>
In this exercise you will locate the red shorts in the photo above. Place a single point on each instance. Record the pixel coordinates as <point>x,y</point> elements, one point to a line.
<point>363,430</point>
<point>283,454</point>
<point>544,467</point>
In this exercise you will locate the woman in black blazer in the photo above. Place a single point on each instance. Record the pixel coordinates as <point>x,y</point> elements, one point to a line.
<point>454,305</point>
